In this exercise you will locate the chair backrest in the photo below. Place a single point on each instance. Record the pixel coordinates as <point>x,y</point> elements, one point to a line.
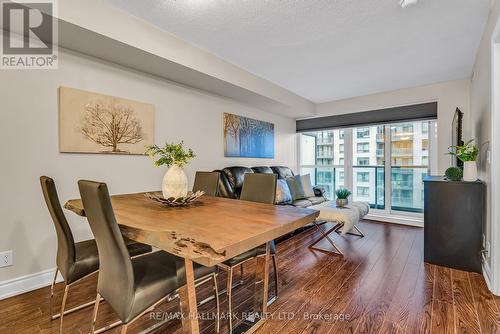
<point>65,242</point>
<point>259,188</point>
<point>116,275</point>
<point>207,182</point>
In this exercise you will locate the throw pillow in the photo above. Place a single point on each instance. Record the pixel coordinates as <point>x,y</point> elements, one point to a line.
<point>296,188</point>
<point>306,184</point>
<point>283,195</point>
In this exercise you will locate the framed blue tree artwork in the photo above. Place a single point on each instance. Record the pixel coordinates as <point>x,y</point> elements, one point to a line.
<point>248,138</point>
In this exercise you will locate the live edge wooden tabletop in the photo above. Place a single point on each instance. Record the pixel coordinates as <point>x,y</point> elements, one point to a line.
<point>209,231</point>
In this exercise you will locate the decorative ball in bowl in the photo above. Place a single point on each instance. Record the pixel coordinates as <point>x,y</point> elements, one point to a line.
<point>175,201</point>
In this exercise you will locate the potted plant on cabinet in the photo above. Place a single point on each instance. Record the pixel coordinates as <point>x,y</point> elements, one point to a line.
<point>467,153</point>
<point>175,157</point>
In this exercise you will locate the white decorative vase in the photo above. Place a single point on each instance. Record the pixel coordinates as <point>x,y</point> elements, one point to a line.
<point>175,183</point>
<point>470,171</point>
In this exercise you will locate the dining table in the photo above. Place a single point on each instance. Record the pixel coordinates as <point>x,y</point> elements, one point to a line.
<point>208,232</point>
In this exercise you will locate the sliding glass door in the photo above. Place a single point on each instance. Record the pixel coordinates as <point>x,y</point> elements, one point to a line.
<point>383,165</point>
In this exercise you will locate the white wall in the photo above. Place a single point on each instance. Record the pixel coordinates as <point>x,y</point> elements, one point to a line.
<point>29,147</point>
<point>481,115</point>
<point>449,96</point>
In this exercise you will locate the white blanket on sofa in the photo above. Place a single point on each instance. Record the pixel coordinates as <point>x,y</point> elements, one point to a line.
<point>348,215</point>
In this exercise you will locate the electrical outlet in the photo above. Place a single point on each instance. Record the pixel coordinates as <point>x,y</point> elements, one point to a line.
<point>6,259</point>
<point>483,243</point>
<point>487,249</point>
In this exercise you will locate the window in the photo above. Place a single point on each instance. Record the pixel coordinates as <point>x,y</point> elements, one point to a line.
<point>363,161</point>
<point>368,157</point>
<point>363,176</point>
<point>322,156</point>
<point>409,164</point>
<point>404,149</point>
<point>425,127</point>
<point>363,133</point>
<point>425,144</point>
<point>363,147</point>
<point>363,191</point>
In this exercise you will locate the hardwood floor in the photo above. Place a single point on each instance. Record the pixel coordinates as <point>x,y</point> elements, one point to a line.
<point>381,285</point>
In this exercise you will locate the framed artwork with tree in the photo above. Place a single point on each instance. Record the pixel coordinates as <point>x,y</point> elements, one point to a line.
<point>96,123</point>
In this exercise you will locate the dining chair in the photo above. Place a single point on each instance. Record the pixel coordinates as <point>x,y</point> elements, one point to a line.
<point>208,182</point>
<point>259,188</point>
<point>134,286</point>
<point>75,260</point>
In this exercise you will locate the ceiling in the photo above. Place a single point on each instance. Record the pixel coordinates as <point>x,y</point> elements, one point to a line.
<point>325,50</point>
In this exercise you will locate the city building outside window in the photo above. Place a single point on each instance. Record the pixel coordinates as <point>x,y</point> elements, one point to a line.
<point>323,153</point>
<point>363,133</point>
<point>363,161</point>
<point>363,147</point>
<point>363,176</point>
<point>363,191</point>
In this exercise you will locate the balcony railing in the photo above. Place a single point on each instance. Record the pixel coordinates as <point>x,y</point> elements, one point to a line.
<point>407,188</point>
<point>406,185</point>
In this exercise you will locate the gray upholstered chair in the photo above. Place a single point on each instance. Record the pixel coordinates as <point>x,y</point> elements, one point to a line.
<point>207,182</point>
<point>75,260</point>
<point>130,286</point>
<point>259,188</point>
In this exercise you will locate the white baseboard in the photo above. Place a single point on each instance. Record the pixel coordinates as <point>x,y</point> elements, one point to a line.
<point>487,273</point>
<point>402,220</point>
<point>488,278</point>
<point>19,285</point>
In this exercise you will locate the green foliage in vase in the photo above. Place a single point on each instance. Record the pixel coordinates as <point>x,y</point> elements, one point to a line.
<point>454,174</point>
<point>170,154</point>
<point>465,152</point>
<point>342,193</point>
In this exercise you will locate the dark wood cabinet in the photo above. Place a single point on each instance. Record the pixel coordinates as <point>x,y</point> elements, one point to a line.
<point>453,223</point>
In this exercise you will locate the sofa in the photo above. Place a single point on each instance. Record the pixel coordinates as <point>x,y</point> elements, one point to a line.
<point>231,182</point>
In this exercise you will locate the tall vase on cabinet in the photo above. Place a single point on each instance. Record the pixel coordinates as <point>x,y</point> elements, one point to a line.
<point>175,157</point>
<point>470,171</point>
